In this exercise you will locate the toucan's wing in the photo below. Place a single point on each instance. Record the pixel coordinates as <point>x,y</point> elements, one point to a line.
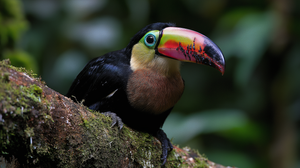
<point>99,78</point>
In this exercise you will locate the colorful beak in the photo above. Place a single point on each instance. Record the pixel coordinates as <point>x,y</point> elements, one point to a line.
<point>190,46</point>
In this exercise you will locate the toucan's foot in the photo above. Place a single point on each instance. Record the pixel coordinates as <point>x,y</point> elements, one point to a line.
<point>115,119</point>
<point>165,144</point>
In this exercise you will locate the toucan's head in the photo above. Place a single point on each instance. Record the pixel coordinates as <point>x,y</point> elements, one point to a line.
<point>161,46</point>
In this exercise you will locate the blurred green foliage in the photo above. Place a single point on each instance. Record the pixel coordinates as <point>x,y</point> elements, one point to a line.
<point>12,22</point>
<point>249,118</point>
<point>12,25</point>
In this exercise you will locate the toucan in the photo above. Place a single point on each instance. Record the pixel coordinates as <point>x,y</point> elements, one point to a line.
<point>140,84</point>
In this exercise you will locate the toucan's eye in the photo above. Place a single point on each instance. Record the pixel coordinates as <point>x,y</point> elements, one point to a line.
<point>150,40</point>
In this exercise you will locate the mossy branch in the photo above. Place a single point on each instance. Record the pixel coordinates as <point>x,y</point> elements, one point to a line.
<point>42,128</point>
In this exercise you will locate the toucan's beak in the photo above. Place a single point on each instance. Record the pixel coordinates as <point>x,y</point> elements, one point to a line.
<point>190,46</point>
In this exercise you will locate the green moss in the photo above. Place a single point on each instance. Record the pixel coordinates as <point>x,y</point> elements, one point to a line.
<point>32,92</point>
<point>29,131</point>
<point>18,106</point>
<point>6,63</point>
<point>20,58</point>
<point>19,98</point>
<point>146,154</point>
<point>201,163</point>
<point>47,118</point>
<point>5,77</point>
<point>97,128</point>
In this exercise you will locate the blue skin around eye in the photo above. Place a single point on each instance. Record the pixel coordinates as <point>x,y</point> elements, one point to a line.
<point>150,45</point>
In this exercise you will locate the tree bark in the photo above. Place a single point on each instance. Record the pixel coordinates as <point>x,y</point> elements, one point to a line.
<point>39,127</point>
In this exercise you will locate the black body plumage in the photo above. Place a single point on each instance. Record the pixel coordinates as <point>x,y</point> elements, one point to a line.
<point>102,84</point>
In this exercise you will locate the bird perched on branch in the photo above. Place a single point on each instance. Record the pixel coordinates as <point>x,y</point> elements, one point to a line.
<point>140,84</point>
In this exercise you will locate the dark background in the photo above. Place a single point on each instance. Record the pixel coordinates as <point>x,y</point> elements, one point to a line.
<point>249,118</point>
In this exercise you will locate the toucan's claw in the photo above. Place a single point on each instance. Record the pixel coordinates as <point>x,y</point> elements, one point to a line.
<point>165,144</point>
<point>115,119</point>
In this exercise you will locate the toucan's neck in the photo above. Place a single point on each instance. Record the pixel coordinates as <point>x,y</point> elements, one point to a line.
<point>165,66</point>
<point>144,58</point>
